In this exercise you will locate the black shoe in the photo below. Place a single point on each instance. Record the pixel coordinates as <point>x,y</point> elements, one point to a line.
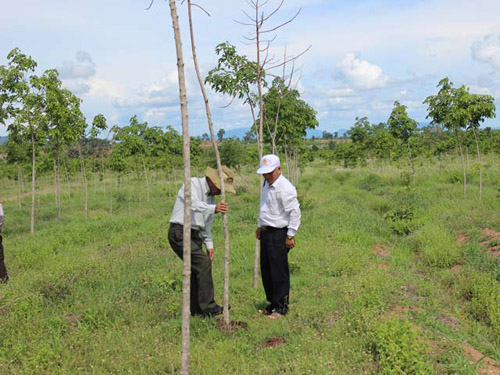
<point>217,310</point>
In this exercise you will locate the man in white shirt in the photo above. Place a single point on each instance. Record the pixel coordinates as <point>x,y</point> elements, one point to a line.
<point>3,270</point>
<point>203,209</point>
<point>279,220</point>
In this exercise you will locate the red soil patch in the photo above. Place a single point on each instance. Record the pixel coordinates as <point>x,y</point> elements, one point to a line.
<point>487,365</point>
<point>272,342</point>
<point>462,238</point>
<point>379,250</point>
<point>456,269</point>
<point>491,233</point>
<point>491,242</point>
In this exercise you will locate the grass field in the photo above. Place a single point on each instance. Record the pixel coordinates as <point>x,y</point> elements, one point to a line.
<point>387,278</point>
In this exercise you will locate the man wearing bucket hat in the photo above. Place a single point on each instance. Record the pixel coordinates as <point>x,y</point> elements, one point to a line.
<point>203,208</point>
<point>279,220</point>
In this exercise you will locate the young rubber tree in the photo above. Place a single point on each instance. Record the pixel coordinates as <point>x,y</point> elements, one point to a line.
<point>292,117</point>
<point>236,76</point>
<point>65,123</point>
<point>443,110</point>
<point>186,269</point>
<point>219,168</point>
<point>21,101</point>
<point>478,107</point>
<point>402,128</point>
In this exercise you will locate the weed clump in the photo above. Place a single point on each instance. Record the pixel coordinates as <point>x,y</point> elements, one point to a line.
<point>371,182</point>
<point>401,220</point>
<point>483,292</point>
<point>437,246</point>
<point>397,349</point>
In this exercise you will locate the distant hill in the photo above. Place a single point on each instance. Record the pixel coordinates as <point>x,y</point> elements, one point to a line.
<point>318,133</point>
<point>3,140</point>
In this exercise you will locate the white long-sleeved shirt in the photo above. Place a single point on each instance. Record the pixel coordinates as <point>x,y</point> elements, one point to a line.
<point>202,209</point>
<point>279,206</point>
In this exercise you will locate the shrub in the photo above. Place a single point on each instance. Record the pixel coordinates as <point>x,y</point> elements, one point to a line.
<point>371,182</point>
<point>397,349</point>
<point>437,246</point>
<point>401,220</point>
<point>483,291</point>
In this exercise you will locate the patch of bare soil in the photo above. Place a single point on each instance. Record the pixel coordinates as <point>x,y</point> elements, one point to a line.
<point>380,250</point>
<point>401,311</point>
<point>448,320</point>
<point>487,365</point>
<point>462,238</point>
<point>456,269</point>
<point>233,325</point>
<point>381,266</point>
<point>273,342</point>
<point>73,319</point>
<point>491,233</point>
<point>490,242</point>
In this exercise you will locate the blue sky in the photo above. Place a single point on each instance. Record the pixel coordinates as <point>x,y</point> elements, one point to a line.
<point>120,59</point>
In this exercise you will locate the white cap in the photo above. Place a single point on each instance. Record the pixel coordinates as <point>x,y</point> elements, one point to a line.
<point>268,163</point>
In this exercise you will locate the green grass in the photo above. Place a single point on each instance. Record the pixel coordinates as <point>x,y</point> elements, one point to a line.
<point>102,296</point>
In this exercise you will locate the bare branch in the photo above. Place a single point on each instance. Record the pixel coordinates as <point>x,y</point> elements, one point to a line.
<point>248,16</point>
<point>275,10</point>
<point>281,25</point>
<point>248,38</point>
<point>150,5</point>
<point>228,104</point>
<point>243,23</point>
<point>264,3</point>
<point>200,7</point>
<point>292,58</point>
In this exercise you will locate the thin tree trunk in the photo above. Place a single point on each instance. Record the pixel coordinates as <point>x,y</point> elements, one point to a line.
<point>257,241</point>
<point>219,168</point>
<point>410,156</point>
<point>19,184</point>
<point>84,182</point>
<point>186,269</point>
<point>55,192</point>
<point>111,196</point>
<point>463,170</point>
<point>480,165</point>
<point>33,179</point>
<point>67,178</point>
<point>147,179</point>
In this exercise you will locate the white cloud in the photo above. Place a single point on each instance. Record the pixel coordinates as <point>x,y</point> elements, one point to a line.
<point>361,74</point>
<point>83,67</point>
<point>487,50</point>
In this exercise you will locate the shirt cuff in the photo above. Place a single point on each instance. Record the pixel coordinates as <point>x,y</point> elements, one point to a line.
<point>291,232</point>
<point>211,208</point>
<point>209,245</point>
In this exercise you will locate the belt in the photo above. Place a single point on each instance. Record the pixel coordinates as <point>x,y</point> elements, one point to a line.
<point>271,229</point>
<point>177,225</point>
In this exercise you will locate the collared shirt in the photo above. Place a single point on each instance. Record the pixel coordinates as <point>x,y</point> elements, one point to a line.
<point>279,206</point>
<point>202,209</point>
<point>2,217</point>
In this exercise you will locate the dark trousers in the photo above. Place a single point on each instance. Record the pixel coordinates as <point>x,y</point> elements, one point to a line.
<point>202,285</point>
<point>274,267</point>
<point>3,270</point>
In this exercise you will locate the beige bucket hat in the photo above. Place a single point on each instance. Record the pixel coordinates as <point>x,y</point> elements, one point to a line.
<point>228,176</point>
